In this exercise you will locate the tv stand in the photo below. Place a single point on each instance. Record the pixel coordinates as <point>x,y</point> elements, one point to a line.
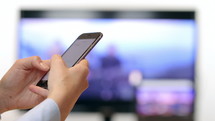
<point>107,113</point>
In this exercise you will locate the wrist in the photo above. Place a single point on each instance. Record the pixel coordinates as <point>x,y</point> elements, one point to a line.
<point>3,100</point>
<point>3,104</point>
<point>64,101</point>
<point>65,96</point>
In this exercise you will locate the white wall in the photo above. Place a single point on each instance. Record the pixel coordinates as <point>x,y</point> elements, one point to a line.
<point>8,20</point>
<point>205,106</point>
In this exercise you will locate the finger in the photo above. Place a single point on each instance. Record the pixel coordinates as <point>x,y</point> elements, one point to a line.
<point>81,67</point>
<point>84,62</point>
<point>32,62</point>
<point>47,62</point>
<point>43,66</point>
<point>38,90</point>
<point>57,62</point>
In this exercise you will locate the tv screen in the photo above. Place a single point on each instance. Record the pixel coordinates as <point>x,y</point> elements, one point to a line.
<point>145,62</point>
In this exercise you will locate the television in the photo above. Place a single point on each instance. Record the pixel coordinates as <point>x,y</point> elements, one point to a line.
<point>145,63</point>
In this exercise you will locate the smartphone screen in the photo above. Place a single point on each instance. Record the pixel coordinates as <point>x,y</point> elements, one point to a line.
<point>77,51</point>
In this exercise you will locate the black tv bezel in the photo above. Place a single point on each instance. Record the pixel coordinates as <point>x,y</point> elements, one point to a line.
<point>107,14</point>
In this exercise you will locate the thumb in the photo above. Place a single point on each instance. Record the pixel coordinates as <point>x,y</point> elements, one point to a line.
<point>57,62</point>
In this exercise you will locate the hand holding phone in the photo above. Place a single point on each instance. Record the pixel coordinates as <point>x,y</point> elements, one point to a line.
<point>76,52</point>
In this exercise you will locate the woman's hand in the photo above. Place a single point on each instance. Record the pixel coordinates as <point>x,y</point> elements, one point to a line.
<point>16,84</point>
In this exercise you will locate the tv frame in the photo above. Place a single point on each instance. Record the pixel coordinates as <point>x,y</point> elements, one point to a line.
<point>106,107</point>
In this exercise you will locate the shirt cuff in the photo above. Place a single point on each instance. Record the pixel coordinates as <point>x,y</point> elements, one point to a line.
<point>48,110</point>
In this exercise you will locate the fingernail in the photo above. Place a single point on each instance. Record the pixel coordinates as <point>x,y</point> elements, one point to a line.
<point>44,66</point>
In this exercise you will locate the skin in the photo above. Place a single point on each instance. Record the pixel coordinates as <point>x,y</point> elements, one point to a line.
<point>67,84</point>
<point>14,86</point>
<point>18,88</point>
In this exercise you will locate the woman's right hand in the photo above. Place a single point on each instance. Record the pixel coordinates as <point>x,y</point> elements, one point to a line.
<point>65,84</point>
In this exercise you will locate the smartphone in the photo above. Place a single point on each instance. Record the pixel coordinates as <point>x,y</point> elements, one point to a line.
<point>77,51</point>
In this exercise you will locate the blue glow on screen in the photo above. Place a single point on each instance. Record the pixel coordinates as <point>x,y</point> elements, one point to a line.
<point>157,47</point>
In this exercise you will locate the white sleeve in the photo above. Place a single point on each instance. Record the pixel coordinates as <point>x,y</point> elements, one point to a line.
<point>48,110</point>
